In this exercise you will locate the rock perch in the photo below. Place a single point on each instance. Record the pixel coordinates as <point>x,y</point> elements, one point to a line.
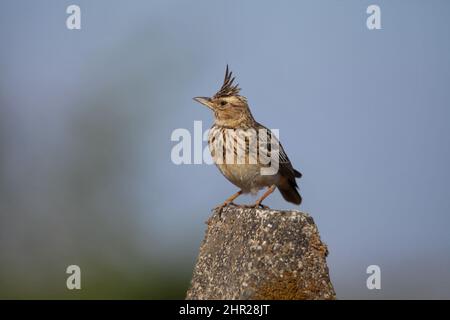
<point>261,254</point>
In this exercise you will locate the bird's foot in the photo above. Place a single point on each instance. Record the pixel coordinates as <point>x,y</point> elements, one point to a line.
<point>220,208</point>
<point>255,206</point>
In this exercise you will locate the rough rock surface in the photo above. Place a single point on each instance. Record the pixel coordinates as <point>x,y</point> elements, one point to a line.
<point>261,254</point>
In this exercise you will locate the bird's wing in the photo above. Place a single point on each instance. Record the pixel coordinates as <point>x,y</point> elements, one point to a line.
<point>284,162</point>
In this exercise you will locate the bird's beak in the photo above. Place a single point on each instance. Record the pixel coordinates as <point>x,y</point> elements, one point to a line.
<point>205,101</point>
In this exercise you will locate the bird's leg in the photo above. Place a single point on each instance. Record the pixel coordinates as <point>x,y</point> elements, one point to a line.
<point>265,195</point>
<point>229,201</point>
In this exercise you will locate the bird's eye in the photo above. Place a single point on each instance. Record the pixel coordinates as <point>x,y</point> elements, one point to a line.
<point>222,103</point>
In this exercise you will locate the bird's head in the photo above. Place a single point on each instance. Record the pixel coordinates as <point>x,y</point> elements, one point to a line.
<point>230,108</point>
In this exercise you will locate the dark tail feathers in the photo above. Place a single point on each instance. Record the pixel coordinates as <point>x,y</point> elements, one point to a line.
<point>288,189</point>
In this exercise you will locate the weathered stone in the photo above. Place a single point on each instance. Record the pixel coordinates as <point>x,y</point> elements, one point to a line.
<point>261,254</point>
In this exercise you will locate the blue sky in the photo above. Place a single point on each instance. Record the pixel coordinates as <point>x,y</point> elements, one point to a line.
<point>362,114</point>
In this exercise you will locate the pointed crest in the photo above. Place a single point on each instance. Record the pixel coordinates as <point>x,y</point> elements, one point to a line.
<point>228,89</point>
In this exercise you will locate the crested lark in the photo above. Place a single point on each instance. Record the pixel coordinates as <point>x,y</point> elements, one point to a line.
<point>240,147</point>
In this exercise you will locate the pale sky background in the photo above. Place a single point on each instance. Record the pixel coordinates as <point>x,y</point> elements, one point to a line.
<point>86,118</point>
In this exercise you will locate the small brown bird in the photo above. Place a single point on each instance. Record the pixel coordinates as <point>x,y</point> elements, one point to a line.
<point>232,145</point>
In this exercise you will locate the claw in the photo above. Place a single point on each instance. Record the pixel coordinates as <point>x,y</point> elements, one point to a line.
<point>220,208</point>
<point>254,206</point>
